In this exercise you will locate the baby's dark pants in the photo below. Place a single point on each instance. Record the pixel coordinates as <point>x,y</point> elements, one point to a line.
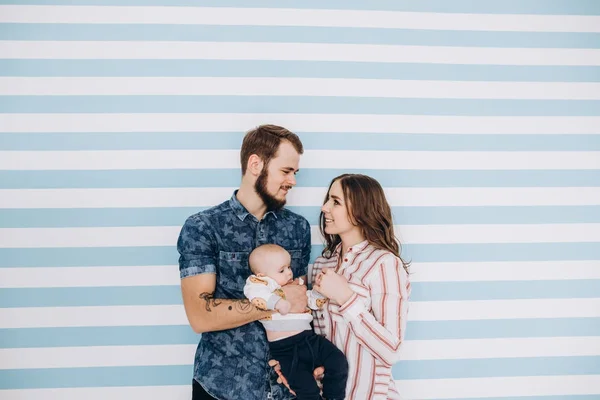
<point>300,354</point>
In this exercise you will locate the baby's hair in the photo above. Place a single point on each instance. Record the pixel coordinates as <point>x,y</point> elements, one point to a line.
<point>262,250</point>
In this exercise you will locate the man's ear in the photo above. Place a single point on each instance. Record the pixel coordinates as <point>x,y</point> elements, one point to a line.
<point>255,164</point>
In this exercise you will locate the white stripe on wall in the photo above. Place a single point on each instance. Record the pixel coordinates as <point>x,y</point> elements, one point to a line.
<point>174,392</point>
<point>499,387</point>
<point>217,159</point>
<point>231,122</point>
<point>45,317</point>
<point>216,86</point>
<point>142,275</point>
<point>96,356</point>
<point>299,196</point>
<point>120,356</point>
<point>467,310</point>
<point>503,271</point>
<point>297,17</point>
<point>503,309</point>
<point>167,235</point>
<point>416,389</point>
<point>160,275</point>
<point>296,51</point>
<point>507,233</point>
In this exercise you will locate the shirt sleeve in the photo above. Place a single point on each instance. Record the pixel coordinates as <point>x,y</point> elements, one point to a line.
<point>381,331</point>
<point>315,299</point>
<point>261,293</point>
<point>318,319</point>
<point>306,248</point>
<point>197,247</point>
<point>314,271</point>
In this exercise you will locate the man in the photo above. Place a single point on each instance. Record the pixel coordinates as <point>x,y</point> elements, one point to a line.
<point>231,358</point>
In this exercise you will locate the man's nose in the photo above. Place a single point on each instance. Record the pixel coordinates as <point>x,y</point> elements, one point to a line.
<point>292,180</point>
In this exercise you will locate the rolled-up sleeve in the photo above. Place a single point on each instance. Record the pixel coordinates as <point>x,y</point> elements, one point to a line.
<point>197,248</point>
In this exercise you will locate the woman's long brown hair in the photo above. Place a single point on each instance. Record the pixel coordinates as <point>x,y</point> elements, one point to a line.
<point>368,209</point>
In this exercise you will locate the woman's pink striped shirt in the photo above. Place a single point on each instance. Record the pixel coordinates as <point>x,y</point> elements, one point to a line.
<point>369,327</point>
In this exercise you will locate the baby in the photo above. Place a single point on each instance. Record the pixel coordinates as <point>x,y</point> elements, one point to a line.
<point>292,341</point>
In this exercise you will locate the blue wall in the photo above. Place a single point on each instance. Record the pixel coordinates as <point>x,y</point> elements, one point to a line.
<point>118,119</point>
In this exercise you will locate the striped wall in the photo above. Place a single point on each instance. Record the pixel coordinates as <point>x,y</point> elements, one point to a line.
<point>118,119</point>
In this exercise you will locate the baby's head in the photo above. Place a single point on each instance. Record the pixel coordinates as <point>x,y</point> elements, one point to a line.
<point>273,261</point>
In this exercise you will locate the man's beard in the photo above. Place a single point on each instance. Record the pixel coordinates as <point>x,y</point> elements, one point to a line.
<point>271,202</point>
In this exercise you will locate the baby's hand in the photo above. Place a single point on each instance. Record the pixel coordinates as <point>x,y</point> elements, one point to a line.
<point>283,306</point>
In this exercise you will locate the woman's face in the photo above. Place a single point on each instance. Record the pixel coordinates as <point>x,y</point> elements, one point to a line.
<point>335,211</point>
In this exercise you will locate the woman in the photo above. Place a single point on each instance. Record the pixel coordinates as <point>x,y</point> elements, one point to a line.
<point>366,281</point>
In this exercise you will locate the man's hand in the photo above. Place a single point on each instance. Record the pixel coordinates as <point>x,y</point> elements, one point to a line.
<point>296,295</point>
<point>317,373</point>
<point>280,378</point>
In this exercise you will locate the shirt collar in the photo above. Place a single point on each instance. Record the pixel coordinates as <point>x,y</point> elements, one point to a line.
<point>356,249</point>
<point>240,211</point>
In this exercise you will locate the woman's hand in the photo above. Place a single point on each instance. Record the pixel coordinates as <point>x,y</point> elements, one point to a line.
<point>333,286</point>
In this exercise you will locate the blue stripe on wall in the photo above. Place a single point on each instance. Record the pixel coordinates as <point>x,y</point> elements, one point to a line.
<point>310,140</point>
<point>502,328</point>
<point>502,252</point>
<point>569,397</point>
<point>296,104</point>
<point>542,7</point>
<point>180,374</point>
<point>183,334</point>
<point>296,34</point>
<point>167,255</point>
<point>422,291</point>
<point>307,177</point>
<point>94,217</point>
<point>489,367</point>
<point>298,69</point>
<point>96,377</point>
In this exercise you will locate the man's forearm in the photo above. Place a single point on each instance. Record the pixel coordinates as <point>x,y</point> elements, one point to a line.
<point>219,314</point>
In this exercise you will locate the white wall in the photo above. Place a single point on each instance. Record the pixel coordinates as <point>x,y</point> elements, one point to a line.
<point>116,123</point>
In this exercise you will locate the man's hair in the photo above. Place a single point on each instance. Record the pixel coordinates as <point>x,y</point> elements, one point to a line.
<point>264,141</point>
<point>262,250</point>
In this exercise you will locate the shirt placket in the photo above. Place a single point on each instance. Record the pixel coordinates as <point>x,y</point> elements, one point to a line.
<point>261,233</point>
<point>344,262</point>
<point>260,238</point>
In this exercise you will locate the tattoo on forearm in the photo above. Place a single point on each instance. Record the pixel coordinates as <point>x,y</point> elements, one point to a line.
<point>242,306</point>
<point>210,300</point>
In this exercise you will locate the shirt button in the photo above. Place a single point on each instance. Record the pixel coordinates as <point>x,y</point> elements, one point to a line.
<point>350,249</point>
<point>345,260</point>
